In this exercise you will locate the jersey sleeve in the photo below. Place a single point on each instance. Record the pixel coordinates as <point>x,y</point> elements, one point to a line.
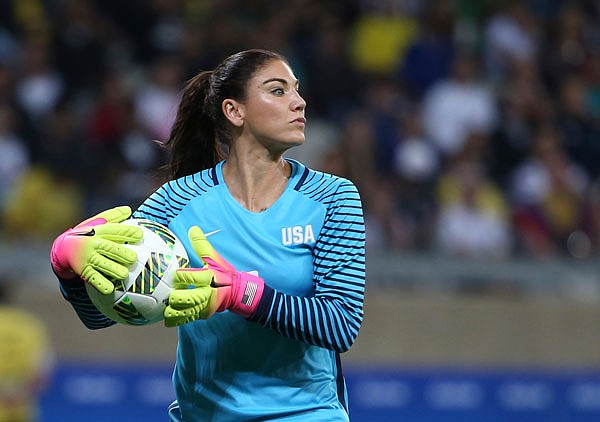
<point>332,317</point>
<point>169,199</point>
<point>153,207</point>
<point>75,293</point>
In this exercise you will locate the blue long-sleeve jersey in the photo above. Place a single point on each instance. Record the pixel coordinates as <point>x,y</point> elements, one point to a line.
<point>283,362</point>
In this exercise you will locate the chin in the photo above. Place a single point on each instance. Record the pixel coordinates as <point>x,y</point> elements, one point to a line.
<point>293,141</point>
<point>299,138</point>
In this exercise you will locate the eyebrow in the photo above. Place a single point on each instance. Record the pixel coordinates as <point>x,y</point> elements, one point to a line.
<point>281,80</point>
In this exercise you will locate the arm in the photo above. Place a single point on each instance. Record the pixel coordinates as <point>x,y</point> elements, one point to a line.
<point>91,252</point>
<point>73,290</point>
<point>332,317</point>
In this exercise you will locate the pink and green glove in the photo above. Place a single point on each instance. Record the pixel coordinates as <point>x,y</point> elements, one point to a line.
<point>218,286</point>
<point>93,250</point>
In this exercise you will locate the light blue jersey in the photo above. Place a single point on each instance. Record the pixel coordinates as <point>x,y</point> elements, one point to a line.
<point>283,362</point>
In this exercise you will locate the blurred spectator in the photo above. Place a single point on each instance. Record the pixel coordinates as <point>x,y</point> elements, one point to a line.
<point>64,168</point>
<point>459,105</point>
<point>469,19</point>
<point>430,54</point>
<point>416,158</point>
<point>196,51</point>
<point>511,37</point>
<point>358,145</point>
<point>86,160</point>
<point>14,156</point>
<point>380,37</point>
<point>40,85</point>
<point>32,215</point>
<point>524,104</point>
<point>80,47</point>
<point>63,147</point>
<point>165,33</point>
<point>473,220</point>
<point>565,50</point>
<point>26,360</point>
<point>387,229</point>
<point>594,221</point>
<point>22,20</point>
<point>417,167</point>
<point>8,46</point>
<point>548,191</point>
<point>21,124</point>
<point>386,104</point>
<point>108,117</point>
<point>579,127</point>
<point>157,98</point>
<point>135,176</point>
<point>136,180</point>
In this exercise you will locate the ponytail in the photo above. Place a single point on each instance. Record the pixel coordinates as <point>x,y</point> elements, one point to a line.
<point>193,144</point>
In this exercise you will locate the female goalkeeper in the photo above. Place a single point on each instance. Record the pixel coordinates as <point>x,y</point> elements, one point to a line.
<point>262,322</point>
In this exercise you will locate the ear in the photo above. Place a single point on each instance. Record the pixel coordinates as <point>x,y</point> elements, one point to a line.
<point>233,111</point>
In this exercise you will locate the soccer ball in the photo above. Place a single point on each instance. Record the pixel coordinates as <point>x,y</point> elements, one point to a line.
<point>141,298</point>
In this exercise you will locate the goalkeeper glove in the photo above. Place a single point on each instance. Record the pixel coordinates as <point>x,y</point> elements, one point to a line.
<point>92,249</point>
<point>218,286</point>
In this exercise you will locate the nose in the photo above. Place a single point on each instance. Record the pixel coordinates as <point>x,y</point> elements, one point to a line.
<point>298,103</point>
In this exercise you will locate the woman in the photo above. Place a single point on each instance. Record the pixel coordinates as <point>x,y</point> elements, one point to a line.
<point>262,343</point>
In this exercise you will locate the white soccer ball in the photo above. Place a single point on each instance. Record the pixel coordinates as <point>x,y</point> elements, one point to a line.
<point>141,298</point>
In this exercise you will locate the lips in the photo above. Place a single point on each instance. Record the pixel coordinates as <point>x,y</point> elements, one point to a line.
<point>299,120</point>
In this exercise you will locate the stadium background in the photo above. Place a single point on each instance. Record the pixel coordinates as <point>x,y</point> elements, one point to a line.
<point>470,127</point>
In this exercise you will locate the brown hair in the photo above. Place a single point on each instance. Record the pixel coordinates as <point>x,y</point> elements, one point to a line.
<point>200,130</point>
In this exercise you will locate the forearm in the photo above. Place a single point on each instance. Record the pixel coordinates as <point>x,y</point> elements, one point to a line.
<point>73,290</point>
<point>324,321</point>
<point>93,251</point>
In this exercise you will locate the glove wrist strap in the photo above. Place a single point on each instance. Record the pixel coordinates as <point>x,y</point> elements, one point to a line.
<point>56,258</point>
<point>246,296</point>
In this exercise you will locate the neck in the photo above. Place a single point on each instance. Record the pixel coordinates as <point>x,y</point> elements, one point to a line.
<point>256,183</point>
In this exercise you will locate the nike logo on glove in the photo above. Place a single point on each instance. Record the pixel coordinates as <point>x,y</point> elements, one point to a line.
<point>212,232</point>
<point>87,232</point>
<point>214,284</point>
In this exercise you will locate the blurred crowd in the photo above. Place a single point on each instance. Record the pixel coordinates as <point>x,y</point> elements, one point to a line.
<point>471,127</point>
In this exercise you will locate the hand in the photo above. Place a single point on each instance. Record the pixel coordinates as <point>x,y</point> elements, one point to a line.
<point>218,286</point>
<point>93,250</point>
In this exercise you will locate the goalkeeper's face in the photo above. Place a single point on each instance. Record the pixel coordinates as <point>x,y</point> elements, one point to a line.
<point>273,110</point>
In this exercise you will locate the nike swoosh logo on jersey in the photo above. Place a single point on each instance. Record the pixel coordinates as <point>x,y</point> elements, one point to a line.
<point>212,232</point>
